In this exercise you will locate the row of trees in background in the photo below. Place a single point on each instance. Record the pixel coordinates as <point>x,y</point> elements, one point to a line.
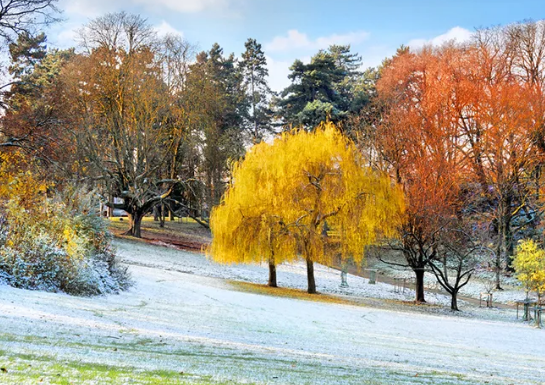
<point>143,119</point>
<point>149,120</point>
<point>153,123</point>
<point>459,127</point>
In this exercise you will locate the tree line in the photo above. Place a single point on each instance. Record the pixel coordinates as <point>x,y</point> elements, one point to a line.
<point>154,123</point>
<point>150,120</point>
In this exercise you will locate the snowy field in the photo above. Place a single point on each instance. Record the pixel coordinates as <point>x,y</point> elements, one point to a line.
<point>182,322</point>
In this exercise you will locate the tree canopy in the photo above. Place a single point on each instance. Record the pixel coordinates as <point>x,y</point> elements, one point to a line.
<point>284,193</point>
<point>529,265</point>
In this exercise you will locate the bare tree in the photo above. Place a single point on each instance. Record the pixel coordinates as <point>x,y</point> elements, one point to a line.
<point>455,261</point>
<point>117,31</point>
<point>23,16</point>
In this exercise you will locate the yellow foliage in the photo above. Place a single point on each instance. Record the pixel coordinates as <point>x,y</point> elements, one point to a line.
<point>529,265</point>
<point>29,212</point>
<point>283,193</point>
<point>23,187</point>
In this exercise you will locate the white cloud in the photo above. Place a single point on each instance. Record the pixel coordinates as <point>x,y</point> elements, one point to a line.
<point>165,28</point>
<point>187,6</point>
<point>66,38</point>
<point>93,8</point>
<point>349,38</point>
<point>88,8</point>
<point>457,34</point>
<point>295,40</point>
<point>278,74</point>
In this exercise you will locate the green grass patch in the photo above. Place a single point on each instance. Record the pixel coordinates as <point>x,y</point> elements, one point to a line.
<point>31,369</point>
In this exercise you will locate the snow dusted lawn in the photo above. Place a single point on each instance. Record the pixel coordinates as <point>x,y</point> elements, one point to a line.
<point>183,323</point>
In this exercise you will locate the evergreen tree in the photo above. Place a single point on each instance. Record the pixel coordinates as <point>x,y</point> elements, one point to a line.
<point>328,88</point>
<point>26,52</point>
<point>254,69</point>
<point>214,101</point>
<point>348,64</point>
<point>311,98</point>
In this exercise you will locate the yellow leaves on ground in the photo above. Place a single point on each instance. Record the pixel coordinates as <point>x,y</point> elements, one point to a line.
<point>529,265</point>
<point>284,193</point>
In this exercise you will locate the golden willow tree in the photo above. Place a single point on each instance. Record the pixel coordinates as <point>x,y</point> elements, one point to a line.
<point>283,194</point>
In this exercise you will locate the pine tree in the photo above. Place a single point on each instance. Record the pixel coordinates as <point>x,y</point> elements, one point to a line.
<point>328,88</point>
<point>255,73</point>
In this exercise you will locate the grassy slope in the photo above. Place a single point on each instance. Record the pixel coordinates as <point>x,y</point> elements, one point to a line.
<point>34,367</point>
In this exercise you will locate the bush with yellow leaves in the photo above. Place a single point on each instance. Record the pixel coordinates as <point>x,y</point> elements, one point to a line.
<point>529,265</point>
<point>53,243</point>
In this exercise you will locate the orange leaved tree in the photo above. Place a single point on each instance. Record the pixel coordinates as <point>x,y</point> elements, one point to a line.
<point>418,141</point>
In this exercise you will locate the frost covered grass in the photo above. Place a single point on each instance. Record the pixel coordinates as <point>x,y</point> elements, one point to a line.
<point>31,369</point>
<point>178,317</point>
<point>289,275</point>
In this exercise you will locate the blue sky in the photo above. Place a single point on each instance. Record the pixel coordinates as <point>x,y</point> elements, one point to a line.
<point>299,28</point>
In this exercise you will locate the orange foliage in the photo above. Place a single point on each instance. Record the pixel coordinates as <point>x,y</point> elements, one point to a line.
<point>460,122</point>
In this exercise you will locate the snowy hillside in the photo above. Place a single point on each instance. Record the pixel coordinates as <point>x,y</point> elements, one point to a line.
<point>181,323</point>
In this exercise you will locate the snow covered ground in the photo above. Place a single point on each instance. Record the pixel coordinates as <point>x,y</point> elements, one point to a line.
<point>294,275</point>
<point>480,282</point>
<point>182,322</point>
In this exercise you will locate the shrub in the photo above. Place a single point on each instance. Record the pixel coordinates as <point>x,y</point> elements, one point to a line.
<point>529,265</point>
<point>55,243</point>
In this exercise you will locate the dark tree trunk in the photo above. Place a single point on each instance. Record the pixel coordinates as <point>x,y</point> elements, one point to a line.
<point>509,246</point>
<point>419,286</point>
<point>135,222</point>
<point>110,213</point>
<point>454,300</point>
<point>162,216</point>
<point>310,277</point>
<point>272,274</point>
<point>498,273</point>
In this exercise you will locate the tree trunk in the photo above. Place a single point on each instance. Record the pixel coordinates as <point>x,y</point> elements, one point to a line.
<point>344,273</point>
<point>508,243</point>
<point>498,266</point>
<point>454,300</point>
<point>419,286</point>
<point>310,277</point>
<point>110,213</point>
<point>162,215</point>
<point>135,222</point>
<point>272,274</point>
<point>499,253</point>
